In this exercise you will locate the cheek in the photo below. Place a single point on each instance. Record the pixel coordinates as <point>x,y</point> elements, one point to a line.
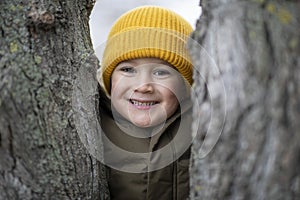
<point>171,101</point>
<point>170,96</point>
<point>114,80</point>
<point>117,84</point>
<point>174,88</point>
<point>172,105</point>
<point>116,92</point>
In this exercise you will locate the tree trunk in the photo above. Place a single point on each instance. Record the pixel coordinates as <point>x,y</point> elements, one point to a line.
<point>248,99</point>
<point>43,46</point>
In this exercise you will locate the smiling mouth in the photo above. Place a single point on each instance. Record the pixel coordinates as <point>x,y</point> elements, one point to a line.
<point>143,103</point>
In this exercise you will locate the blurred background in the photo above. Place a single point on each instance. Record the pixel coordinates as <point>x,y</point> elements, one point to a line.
<point>105,13</point>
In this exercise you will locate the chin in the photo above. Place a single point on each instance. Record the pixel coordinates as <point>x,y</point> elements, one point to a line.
<point>147,124</point>
<point>142,124</point>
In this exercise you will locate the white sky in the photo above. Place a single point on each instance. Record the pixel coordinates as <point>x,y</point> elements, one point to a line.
<point>105,13</point>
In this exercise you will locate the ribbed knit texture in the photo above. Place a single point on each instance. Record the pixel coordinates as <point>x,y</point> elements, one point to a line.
<point>145,32</point>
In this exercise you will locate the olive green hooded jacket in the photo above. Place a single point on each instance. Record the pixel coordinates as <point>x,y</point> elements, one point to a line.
<point>147,164</point>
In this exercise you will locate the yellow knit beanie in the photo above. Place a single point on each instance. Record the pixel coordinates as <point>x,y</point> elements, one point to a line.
<point>144,32</point>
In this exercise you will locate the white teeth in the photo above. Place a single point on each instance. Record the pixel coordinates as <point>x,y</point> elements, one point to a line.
<point>138,103</point>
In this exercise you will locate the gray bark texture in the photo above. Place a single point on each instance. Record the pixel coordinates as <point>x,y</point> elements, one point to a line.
<point>44,44</point>
<point>247,101</point>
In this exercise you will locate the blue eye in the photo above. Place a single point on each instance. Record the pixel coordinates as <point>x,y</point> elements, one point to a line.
<point>127,69</point>
<point>161,72</point>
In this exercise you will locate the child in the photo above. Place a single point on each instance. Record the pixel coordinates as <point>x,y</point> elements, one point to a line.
<point>146,74</point>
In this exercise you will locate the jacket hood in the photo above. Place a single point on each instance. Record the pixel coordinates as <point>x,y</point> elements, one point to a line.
<point>134,149</point>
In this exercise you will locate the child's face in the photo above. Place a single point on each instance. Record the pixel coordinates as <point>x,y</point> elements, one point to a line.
<point>145,91</point>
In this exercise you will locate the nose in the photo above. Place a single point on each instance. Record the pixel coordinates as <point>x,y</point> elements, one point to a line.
<point>144,83</point>
<point>145,88</point>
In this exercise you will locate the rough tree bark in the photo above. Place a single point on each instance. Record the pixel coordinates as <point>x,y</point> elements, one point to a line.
<point>255,46</point>
<point>43,46</point>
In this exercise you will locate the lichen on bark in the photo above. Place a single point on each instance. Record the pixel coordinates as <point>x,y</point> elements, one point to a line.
<point>42,48</point>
